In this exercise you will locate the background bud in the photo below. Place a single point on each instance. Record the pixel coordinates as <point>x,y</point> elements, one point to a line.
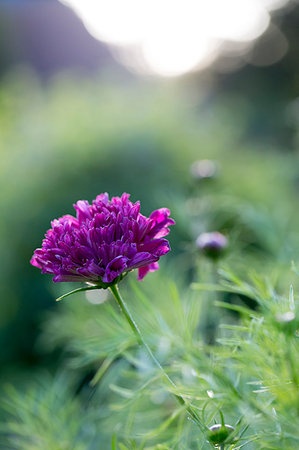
<point>212,244</point>
<point>219,433</point>
<point>204,169</point>
<point>287,322</point>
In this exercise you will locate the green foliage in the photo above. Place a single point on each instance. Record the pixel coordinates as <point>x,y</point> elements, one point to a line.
<point>227,335</point>
<point>46,415</point>
<point>249,375</point>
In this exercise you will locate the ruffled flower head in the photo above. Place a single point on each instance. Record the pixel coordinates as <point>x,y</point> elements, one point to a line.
<point>104,241</point>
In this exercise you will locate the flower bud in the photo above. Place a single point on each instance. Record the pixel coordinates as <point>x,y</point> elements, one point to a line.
<point>213,244</point>
<point>285,317</point>
<point>204,169</point>
<point>287,322</point>
<point>219,433</point>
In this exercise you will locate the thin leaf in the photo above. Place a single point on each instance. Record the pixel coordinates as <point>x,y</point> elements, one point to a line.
<point>77,290</point>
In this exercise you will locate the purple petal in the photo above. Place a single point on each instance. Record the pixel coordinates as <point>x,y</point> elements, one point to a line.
<point>157,247</point>
<point>68,278</point>
<point>160,222</point>
<point>84,210</point>
<point>141,259</point>
<point>115,268</point>
<point>34,262</point>
<point>144,270</point>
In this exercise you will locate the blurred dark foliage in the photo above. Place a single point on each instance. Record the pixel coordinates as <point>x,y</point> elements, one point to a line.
<point>267,90</point>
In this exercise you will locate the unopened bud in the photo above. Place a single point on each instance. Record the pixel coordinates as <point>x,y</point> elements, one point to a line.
<point>212,244</point>
<point>204,169</point>
<point>285,317</point>
<point>219,433</point>
<point>287,322</point>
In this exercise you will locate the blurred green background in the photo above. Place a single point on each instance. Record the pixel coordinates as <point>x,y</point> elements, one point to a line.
<point>73,126</point>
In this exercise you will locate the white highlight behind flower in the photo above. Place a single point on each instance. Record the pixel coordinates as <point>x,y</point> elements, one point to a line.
<point>173,36</point>
<point>97,296</point>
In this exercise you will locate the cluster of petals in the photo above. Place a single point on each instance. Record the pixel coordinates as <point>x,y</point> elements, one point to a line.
<point>105,240</point>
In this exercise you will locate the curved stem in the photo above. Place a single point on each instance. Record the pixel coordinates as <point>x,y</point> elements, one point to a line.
<point>137,332</point>
<point>75,291</point>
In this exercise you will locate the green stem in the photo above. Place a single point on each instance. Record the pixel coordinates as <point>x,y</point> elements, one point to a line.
<point>137,332</point>
<point>293,371</point>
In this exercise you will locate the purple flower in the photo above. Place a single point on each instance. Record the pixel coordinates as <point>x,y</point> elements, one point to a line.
<point>104,241</point>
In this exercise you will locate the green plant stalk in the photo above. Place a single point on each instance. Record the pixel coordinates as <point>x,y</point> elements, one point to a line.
<point>293,372</point>
<point>137,332</point>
